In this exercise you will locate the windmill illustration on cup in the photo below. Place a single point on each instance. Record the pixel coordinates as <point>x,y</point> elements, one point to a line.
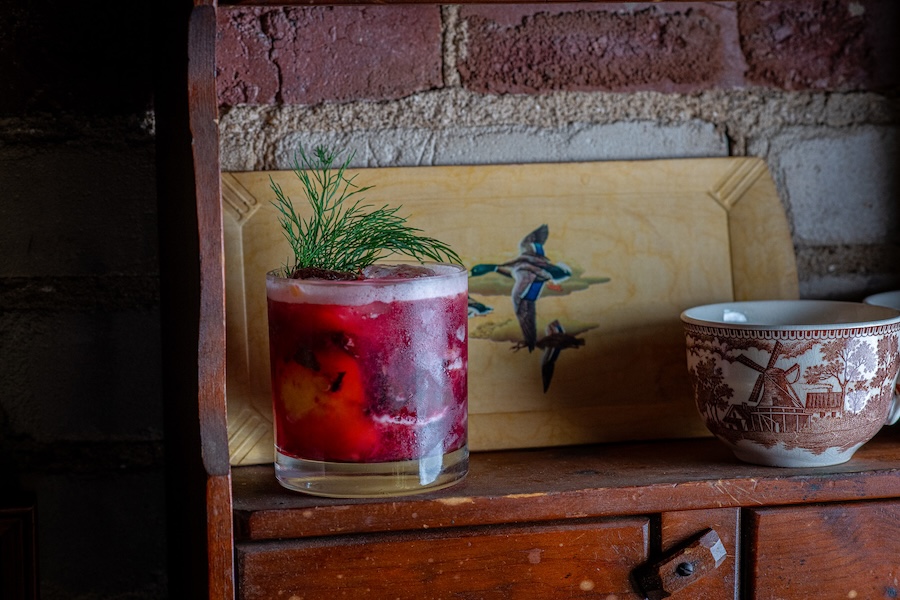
<point>773,404</point>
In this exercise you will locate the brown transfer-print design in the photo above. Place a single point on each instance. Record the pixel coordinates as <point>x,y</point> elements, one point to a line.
<point>806,389</point>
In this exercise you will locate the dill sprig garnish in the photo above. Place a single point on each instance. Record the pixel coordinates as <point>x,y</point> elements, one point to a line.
<point>342,234</point>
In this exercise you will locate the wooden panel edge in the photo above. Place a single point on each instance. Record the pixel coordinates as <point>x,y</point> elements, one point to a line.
<point>758,229</point>
<point>220,537</point>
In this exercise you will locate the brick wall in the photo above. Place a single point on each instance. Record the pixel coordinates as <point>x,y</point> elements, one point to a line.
<point>808,85</point>
<point>307,56</point>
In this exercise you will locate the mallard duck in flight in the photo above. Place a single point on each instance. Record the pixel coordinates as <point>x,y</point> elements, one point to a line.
<point>531,270</point>
<point>555,341</point>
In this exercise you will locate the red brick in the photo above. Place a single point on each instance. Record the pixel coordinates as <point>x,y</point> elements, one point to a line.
<point>313,55</point>
<point>819,44</point>
<point>680,47</point>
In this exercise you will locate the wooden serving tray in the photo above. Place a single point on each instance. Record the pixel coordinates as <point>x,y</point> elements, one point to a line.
<point>644,240</point>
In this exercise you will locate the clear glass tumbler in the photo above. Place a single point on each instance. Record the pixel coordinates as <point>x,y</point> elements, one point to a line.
<point>369,381</point>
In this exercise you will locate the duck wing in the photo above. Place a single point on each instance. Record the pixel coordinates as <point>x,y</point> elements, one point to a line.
<point>525,314</point>
<point>533,243</point>
<point>526,289</point>
<point>551,353</point>
<point>548,364</point>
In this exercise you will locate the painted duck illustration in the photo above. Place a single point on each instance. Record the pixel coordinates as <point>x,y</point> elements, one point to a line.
<point>531,270</point>
<point>553,343</point>
<point>478,309</point>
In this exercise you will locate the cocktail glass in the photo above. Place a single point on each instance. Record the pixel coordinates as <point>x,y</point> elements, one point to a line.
<point>369,380</point>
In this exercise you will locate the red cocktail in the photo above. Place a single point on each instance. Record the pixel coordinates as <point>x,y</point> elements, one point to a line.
<point>369,382</point>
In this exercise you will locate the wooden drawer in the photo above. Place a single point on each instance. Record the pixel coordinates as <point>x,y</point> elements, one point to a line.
<point>841,551</point>
<point>678,527</point>
<point>588,559</point>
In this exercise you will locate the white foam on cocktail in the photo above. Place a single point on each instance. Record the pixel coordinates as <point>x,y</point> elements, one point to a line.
<point>449,280</point>
<point>407,419</point>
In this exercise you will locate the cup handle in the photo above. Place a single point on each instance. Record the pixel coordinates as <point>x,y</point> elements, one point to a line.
<point>894,412</point>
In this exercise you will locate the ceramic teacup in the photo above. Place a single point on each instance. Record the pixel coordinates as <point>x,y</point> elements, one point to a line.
<point>793,383</point>
<point>891,300</point>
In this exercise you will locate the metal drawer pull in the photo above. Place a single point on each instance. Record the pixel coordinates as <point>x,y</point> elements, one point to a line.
<point>680,569</point>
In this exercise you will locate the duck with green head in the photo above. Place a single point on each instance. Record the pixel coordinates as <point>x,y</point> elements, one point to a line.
<point>531,270</point>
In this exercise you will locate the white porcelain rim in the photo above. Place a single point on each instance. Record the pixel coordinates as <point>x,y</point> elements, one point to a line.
<point>876,316</point>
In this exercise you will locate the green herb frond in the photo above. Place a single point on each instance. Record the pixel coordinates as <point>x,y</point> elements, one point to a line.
<point>342,234</point>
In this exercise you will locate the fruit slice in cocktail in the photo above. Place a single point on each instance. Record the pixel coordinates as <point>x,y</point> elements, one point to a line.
<point>369,382</point>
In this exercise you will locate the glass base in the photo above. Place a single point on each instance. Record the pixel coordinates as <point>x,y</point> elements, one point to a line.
<point>371,480</point>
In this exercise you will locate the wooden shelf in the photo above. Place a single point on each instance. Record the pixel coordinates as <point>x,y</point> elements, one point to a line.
<point>559,483</point>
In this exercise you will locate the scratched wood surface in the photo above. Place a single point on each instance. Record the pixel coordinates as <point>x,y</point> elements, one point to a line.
<point>643,239</point>
<point>556,483</point>
<point>585,559</point>
<point>849,550</point>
